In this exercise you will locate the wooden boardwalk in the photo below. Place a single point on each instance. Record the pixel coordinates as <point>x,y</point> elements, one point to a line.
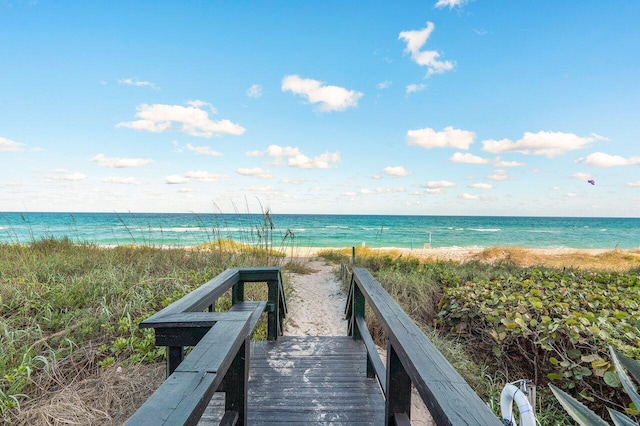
<point>308,380</point>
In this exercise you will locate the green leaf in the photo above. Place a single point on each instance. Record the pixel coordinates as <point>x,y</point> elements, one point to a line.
<point>628,386</point>
<point>611,379</point>
<point>580,413</point>
<point>620,419</point>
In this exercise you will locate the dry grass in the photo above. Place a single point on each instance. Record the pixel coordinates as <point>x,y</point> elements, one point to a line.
<point>613,260</point>
<point>76,392</point>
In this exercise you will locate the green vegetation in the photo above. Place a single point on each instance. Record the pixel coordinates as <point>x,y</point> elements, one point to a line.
<point>545,324</point>
<point>57,299</point>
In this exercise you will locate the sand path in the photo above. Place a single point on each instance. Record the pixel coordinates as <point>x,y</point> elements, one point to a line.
<point>317,309</point>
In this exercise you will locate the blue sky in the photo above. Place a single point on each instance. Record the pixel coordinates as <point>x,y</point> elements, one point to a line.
<point>479,107</point>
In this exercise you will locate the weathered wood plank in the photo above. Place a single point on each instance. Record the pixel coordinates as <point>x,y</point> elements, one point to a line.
<point>325,383</point>
<point>448,397</point>
<point>372,354</point>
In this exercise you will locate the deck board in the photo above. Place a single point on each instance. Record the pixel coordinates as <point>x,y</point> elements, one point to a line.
<point>303,380</point>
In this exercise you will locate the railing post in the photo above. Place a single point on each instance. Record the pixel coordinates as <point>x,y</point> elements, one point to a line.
<point>398,397</point>
<point>237,292</point>
<point>235,384</point>
<point>273,308</point>
<point>358,309</point>
<point>175,355</point>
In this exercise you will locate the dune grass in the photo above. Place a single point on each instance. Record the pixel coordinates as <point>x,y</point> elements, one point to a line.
<point>69,311</point>
<point>423,290</point>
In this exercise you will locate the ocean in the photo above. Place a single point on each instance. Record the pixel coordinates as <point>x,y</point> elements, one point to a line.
<point>308,230</point>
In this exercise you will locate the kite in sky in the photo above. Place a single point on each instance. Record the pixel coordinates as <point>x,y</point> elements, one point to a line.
<point>591,181</point>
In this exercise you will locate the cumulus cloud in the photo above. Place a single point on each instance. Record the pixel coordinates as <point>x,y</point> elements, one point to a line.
<point>412,88</point>
<point>449,3</point>
<point>551,144</point>
<point>466,196</point>
<point>499,175</point>
<point>120,163</point>
<point>600,159</point>
<point>480,185</point>
<point>499,162</point>
<point>190,119</point>
<point>581,176</point>
<point>136,82</point>
<point>255,91</point>
<point>415,40</point>
<point>396,171</point>
<point>197,176</point>
<point>293,157</point>
<point>121,180</point>
<point>256,171</point>
<point>329,98</point>
<point>435,191</point>
<point>59,175</point>
<point>8,145</point>
<point>203,150</point>
<point>366,191</point>
<point>634,184</point>
<point>438,184</point>
<point>383,85</point>
<point>467,158</point>
<point>449,137</point>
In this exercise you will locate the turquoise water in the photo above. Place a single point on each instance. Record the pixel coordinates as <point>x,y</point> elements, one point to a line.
<point>189,229</point>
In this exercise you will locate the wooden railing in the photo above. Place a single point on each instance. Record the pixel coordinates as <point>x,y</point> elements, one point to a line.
<point>411,359</point>
<point>219,360</point>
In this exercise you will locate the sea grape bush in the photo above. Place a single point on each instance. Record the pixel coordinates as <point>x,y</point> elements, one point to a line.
<point>555,324</point>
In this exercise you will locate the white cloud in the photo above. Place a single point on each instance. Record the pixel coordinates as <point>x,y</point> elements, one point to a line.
<point>203,150</point>
<point>254,153</point>
<point>467,158</point>
<point>551,144</point>
<point>136,82</point>
<point>466,196</point>
<point>570,195</point>
<point>436,191</point>
<point>581,176</point>
<point>499,175</point>
<point>255,91</point>
<point>330,98</point>
<point>438,184</point>
<point>416,39</point>
<point>295,158</point>
<point>191,119</point>
<point>449,3</point>
<point>396,171</point>
<point>379,190</point>
<point>256,171</point>
<point>449,137</point>
<point>480,185</point>
<point>121,162</point>
<point>411,88</point>
<point>121,180</point>
<point>198,176</point>
<point>600,159</point>
<point>383,85</point>
<point>8,145</point>
<point>634,184</point>
<point>65,175</point>
<point>499,162</point>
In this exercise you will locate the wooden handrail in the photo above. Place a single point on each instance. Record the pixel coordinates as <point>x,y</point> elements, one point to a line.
<point>413,359</point>
<point>183,323</point>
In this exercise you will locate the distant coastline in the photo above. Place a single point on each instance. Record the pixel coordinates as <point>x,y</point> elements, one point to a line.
<point>320,231</point>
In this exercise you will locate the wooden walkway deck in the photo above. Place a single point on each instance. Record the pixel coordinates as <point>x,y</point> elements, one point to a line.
<point>303,380</point>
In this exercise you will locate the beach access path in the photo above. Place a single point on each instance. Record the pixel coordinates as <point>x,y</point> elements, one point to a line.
<point>316,308</point>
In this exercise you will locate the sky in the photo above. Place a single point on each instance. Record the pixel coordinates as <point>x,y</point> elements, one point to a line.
<point>435,107</point>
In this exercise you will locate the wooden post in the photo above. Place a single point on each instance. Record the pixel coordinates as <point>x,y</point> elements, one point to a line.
<point>398,398</point>
<point>353,254</point>
<point>273,308</point>
<point>358,309</point>
<point>175,355</point>
<point>235,384</point>
<point>237,292</point>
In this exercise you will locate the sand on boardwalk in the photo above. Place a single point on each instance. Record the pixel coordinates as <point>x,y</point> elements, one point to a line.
<point>316,308</point>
